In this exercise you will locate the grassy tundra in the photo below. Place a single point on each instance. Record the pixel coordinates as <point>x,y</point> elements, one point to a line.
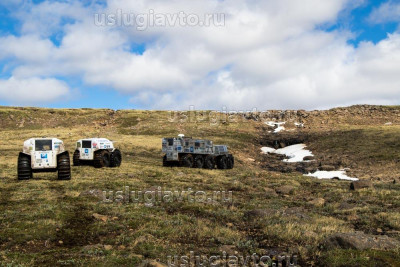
<point>48,222</point>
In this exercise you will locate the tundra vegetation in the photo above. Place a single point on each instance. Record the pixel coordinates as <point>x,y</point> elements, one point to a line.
<point>274,208</point>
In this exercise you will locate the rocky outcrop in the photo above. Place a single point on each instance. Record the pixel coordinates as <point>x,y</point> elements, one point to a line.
<point>356,115</point>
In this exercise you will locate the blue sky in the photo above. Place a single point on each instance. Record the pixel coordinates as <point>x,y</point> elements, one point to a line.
<point>279,56</point>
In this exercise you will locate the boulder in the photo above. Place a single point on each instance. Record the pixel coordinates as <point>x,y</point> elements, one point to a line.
<point>318,202</point>
<point>356,185</point>
<point>360,241</point>
<point>152,263</point>
<point>269,192</point>
<point>285,189</point>
<point>298,212</point>
<point>308,158</point>
<point>259,213</point>
<point>327,168</point>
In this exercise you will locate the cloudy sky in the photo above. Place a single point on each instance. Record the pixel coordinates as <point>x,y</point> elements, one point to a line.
<point>210,54</point>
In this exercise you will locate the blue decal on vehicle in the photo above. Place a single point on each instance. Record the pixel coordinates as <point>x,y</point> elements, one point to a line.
<point>43,156</point>
<point>191,149</point>
<point>86,151</point>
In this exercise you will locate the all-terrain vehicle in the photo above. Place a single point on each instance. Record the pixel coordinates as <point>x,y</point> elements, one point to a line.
<point>97,151</point>
<point>44,155</point>
<point>195,153</point>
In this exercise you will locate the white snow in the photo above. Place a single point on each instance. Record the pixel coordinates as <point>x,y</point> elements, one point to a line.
<point>279,129</point>
<point>267,150</point>
<point>299,125</point>
<point>295,153</point>
<point>331,174</point>
<point>278,125</point>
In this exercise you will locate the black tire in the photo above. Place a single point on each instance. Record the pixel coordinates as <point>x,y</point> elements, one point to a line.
<point>222,163</point>
<point>102,159</point>
<point>209,162</point>
<point>115,158</point>
<point>24,167</point>
<point>165,163</point>
<point>76,161</point>
<point>64,166</point>
<point>187,161</point>
<point>231,161</point>
<point>199,161</point>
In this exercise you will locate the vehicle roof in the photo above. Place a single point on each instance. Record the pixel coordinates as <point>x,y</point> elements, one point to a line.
<point>95,139</point>
<point>44,138</point>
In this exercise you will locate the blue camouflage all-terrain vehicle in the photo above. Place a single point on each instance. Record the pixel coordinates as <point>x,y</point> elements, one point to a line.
<point>195,153</point>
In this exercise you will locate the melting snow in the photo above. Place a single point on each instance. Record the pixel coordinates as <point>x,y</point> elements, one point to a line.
<point>278,125</point>
<point>331,174</point>
<point>295,153</point>
<point>267,150</point>
<point>299,125</point>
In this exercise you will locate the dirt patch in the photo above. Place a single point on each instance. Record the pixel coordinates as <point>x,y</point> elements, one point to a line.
<point>77,228</point>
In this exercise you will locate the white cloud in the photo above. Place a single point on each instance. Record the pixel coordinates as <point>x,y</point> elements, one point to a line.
<point>32,90</point>
<point>270,54</point>
<point>386,12</point>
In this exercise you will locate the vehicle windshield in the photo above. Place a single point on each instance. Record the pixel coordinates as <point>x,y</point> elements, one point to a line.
<point>43,145</point>
<point>87,144</point>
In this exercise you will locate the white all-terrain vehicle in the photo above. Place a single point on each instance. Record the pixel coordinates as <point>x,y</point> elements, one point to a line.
<point>98,151</point>
<point>44,155</point>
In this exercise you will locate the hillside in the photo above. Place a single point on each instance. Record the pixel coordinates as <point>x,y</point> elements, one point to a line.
<point>275,209</point>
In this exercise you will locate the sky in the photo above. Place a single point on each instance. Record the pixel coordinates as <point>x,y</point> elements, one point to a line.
<point>201,54</point>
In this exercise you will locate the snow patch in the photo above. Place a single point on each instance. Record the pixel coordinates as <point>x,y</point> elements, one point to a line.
<point>267,150</point>
<point>277,125</point>
<point>331,174</point>
<point>295,153</point>
<point>299,125</point>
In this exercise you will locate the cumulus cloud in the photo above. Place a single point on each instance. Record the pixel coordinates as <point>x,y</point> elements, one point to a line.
<point>32,90</point>
<point>269,54</point>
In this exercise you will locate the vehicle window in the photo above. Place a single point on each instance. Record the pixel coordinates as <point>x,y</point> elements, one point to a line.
<point>86,144</point>
<point>43,145</point>
<point>171,142</point>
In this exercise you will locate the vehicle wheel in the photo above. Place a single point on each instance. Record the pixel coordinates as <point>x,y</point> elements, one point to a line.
<point>102,159</point>
<point>187,161</point>
<point>64,167</point>
<point>222,163</point>
<point>199,161</point>
<point>165,163</point>
<point>76,157</point>
<point>24,167</point>
<point>231,161</point>
<point>116,158</point>
<point>209,162</point>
